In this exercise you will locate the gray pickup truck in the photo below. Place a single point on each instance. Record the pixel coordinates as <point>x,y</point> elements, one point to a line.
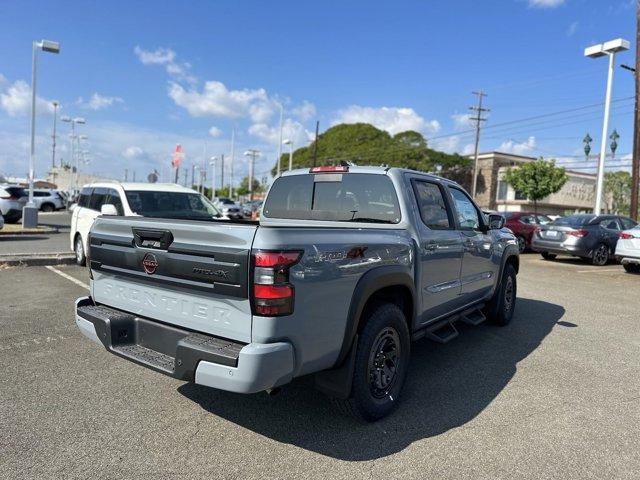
<point>347,266</point>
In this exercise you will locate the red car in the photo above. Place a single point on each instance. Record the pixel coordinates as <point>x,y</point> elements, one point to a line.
<point>523,224</point>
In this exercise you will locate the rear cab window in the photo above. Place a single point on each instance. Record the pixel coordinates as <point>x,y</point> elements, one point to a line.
<point>340,197</point>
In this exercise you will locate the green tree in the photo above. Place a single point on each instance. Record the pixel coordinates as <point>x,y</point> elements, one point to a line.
<point>364,144</point>
<point>536,180</point>
<point>618,186</point>
<point>243,189</point>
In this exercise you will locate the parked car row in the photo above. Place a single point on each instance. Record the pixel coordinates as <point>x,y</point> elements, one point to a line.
<point>13,198</point>
<point>597,239</point>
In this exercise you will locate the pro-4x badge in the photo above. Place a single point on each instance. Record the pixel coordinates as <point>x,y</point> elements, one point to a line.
<point>150,264</point>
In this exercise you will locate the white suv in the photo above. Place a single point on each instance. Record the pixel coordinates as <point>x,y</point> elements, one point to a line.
<point>48,200</point>
<point>134,199</point>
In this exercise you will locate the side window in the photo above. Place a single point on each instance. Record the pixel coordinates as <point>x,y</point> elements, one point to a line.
<point>627,223</point>
<point>610,224</point>
<point>97,198</point>
<point>85,195</point>
<point>113,197</point>
<point>528,219</point>
<point>431,205</point>
<point>465,209</point>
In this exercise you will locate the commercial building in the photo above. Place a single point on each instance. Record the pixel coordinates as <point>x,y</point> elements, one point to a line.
<point>493,193</point>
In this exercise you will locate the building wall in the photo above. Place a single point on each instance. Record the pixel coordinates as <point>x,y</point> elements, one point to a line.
<point>577,195</point>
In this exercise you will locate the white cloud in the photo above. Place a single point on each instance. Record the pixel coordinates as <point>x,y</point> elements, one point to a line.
<point>98,102</point>
<point>160,56</point>
<point>391,119</point>
<point>572,29</point>
<point>304,111</point>
<point>546,3</point>
<point>461,121</point>
<point>15,100</point>
<point>215,132</point>
<point>217,100</point>
<point>167,58</point>
<point>291,129</point>
<point>518,148</point>
<point>132,152</point>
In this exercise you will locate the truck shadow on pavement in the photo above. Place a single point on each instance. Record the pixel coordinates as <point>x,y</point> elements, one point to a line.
<point>447,386</point>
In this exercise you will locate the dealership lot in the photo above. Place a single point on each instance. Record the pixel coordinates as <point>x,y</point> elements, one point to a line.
<point>555,394</point>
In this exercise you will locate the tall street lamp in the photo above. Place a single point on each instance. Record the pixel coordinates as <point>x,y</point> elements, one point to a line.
<point>608,48</point>
<point>290,143</point>
<point>30,211</point>
<point>74,121</point>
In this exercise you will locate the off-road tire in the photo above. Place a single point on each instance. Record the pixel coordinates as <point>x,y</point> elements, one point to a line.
<point>500,308</point>
<point>367,402</point>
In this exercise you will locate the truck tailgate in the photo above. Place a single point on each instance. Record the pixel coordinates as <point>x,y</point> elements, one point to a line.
<point>191,274</point>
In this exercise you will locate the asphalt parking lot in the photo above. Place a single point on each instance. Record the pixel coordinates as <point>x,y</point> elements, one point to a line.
<point>554,395</point>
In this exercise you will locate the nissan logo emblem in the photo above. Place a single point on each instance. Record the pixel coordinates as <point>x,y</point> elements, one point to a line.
<point>149,263</point>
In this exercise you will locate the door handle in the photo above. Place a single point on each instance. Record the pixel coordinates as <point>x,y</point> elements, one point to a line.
<point>431,246</point>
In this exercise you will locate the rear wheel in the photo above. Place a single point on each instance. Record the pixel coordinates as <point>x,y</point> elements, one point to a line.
<point>631,267</point>
<point>47,207</point>
<point>600,255</point>
<point>382,359</point>
<point>548,256</point>
<point>81,258</point>
<point>502,304</point>
<point>522,244</point>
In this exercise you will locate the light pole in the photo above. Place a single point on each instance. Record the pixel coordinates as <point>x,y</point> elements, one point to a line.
<point>212,164</point>
<point>290,143</point>
<point>280,142</point>
<point>608,48</point>
<point>194,167</point>
<point>55,118</point>
<point>74,121</point>
<point>78,153</point>
<point>30,211</point>
<point>253,154</point>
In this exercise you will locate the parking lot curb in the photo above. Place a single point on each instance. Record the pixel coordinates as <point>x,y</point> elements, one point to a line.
<point>29,232</point>
<point>37,259</point>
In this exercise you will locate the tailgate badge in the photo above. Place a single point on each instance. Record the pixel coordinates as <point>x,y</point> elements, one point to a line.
<point>149,263</point>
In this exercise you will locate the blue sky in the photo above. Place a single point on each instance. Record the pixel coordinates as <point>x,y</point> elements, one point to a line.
<point>147,75</point>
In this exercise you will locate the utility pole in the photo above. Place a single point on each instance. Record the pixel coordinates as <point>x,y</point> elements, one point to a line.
<point>280,142</point>
<point>233,146</point>
<point>222,171</point>
<point>55,118</point>
<point>478,110</point>
<point>252,154</point>
<point>315,145</point>
<point>126,174</point>
<point>134,176</point>
<point>635,165</point>
<point>186,172</point>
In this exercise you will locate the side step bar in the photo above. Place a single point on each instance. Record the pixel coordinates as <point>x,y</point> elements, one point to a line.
<point>444,330</point>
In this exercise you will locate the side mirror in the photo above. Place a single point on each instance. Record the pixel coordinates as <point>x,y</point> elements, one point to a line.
<point>496,222</point>
<point>108,209</point>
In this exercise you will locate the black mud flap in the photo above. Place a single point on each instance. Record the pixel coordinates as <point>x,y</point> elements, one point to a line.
<point>337,382</point>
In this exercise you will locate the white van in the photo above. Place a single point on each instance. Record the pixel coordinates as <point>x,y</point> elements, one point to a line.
<point>133,199</point>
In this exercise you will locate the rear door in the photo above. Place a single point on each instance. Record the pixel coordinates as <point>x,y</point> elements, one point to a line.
<point>439,250</point>
<point>192,274</point>
<point>478,269</point>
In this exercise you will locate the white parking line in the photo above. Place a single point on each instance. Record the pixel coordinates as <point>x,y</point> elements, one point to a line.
<point>68,277</point>
<point>600,270</point>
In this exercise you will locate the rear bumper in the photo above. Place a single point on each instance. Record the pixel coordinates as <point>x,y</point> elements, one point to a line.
<point>558,248</point>
<point>185,355</point>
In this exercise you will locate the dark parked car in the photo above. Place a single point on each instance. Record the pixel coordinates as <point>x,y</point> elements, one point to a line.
<point>592,237</point>
<point>523,225</point>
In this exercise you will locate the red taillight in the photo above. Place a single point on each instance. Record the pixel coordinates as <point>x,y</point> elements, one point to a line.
<point>625,236</point>
<point>328,169</point>
<point>273,259</point>
<point>272,293</point>
<point>577,233</point>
